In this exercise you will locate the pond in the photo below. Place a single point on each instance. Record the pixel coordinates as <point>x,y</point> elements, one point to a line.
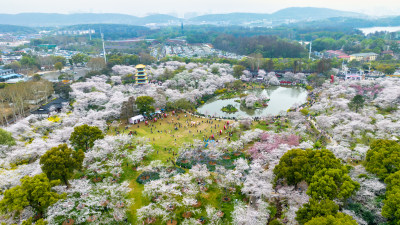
<point>371,30</point>
<point>282,99</point>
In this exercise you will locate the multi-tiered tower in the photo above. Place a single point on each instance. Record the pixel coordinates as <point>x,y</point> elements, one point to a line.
<point>141,75</point>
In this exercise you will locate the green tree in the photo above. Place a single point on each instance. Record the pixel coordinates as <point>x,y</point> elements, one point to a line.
<point>36,77</point>
<point>214,70</point>
<point>58,66</point>
<point>84,136</point>
<point>393,181</point>
<point>321,159</point>
<point>291,166</point>
<point>146,58</point>
<point>297,165</point>
<point>181,104</point>
<point>145,104</point>
<point>16,66</point>
<point>357,102</point>
<point>28,61</point>
<point>71,62</point>
<point>60,162</point>
<point>386,68</point>
<point>275,222</point>
<point>391,207</point>
<point>60,59</point>
<point>79,58</point>
<point>33,191</point>
<point>315,208</point>
<point>316,80</point>
<point>167,75</point>
<point>62,89</point>
<point>324,66</point>
<point>383,158</point>
<point>38,222</point>
<point>388,57</point>
<point>237,84</point>
<point>395,47</point>
<point>331,184</point>
<point>338,219</point>
<point>130,59</point>
<point>6,138</point>
<point>270,65</point>
<point>238,70</point>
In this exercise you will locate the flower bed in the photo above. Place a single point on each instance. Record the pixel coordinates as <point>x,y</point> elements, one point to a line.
<point>147,177</point>
<point>210,160</point>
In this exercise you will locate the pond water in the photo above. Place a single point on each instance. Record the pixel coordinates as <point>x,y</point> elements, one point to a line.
<point>282,99</point>
<point>372,30</point>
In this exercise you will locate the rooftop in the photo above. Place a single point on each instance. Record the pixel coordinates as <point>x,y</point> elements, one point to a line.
<point>365,54</point>
<point>140,66</point>
<point>46,108</point>
<point>12,78</point>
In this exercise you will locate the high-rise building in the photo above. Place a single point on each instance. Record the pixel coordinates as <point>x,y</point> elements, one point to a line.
<point>141,75</point>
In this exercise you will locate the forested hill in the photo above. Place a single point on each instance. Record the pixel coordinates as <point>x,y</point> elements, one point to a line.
<point>54,19</point>
<point>267,46</point>
<point>293,13</point>
<point>113,31</point>
<point>302,13</point>
<point>5,28</point>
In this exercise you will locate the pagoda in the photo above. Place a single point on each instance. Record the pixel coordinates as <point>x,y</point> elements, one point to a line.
<point>141,75</point>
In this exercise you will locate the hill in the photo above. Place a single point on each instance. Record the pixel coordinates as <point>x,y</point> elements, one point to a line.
<point>5,28</point>
<point>312,13</point>
<point>54,19</point>
<point>156,18</point>
<point>112,31</point>
<point>232,18</point>
<point>281,16</point>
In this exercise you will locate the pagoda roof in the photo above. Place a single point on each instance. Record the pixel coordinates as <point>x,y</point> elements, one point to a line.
<point>140,66</point>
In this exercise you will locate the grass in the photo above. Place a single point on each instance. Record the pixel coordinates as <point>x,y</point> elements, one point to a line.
<point>234,94</point>
<point>164,144</point>
<point>171,138</point>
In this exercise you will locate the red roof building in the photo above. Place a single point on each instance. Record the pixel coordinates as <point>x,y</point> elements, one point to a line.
<point>336,54</point>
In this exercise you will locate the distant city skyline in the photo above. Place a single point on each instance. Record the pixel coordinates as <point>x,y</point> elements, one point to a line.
<point>190,8</point>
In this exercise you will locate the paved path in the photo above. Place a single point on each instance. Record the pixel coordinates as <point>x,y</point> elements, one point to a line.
<point>322,132</point>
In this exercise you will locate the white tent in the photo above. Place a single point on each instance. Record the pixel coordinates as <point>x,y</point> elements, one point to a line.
<point>136,119</point>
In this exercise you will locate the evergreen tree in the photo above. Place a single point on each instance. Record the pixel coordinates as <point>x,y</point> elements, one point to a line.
<point>315,208</point>
<point>84,136</point>
<point>145,104</point>
<point>6,138</point>
<point>33,191</point>
<point>60,163</point>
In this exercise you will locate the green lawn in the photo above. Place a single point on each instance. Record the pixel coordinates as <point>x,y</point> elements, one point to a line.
<point>170,140</point>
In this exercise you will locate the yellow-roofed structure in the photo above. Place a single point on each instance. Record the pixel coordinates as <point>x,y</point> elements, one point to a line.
<point>141,75</point>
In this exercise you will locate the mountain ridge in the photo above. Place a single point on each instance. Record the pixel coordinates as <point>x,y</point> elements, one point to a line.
<point>236,18</point>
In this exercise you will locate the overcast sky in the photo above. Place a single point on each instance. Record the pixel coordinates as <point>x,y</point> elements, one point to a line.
<point>180,7</point>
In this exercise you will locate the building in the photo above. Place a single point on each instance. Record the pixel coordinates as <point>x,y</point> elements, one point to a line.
<point>54,105</point>
<point>336,54</point>
<point>370,56</point>
<point>388,52</point>
<point>8,76</point>
<point>354,74</point>
<point>6,72</point>
<point>141,75</point>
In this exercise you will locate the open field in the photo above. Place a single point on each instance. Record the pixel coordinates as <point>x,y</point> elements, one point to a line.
<point>166,140</point>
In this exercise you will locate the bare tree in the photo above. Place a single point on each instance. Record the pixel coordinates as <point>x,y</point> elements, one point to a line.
<point>96,64</point>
